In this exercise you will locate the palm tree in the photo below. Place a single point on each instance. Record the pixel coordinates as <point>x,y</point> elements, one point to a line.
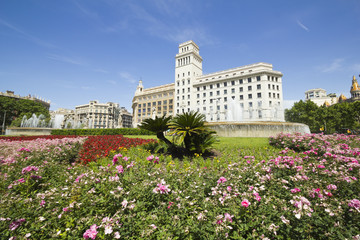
<point>187,125</point>
<point>158,125</point>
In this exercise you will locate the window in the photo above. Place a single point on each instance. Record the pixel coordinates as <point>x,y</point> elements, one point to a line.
<point>188,73</point>
<point>204,94</point>
<point>154,103</point>
<point>269,95</point>
<point>211,86</point>
<point>197,95</point>
<point>225,106</point>
<point>259,103</point>
<point>170,101</point>
<point>260,114</point>
<point>250,104</point>
<point>204,87</point>
<point>218,107</point>
<point>250,96</point>
<point>183,82</point>
<point>225,91</point>
<point>241,97</point>
<point>270,103</point>
<point>159,102</point>
<point>188,96</point>
<point>249,80</point>
<point>241,81</point>
<point>277,87</point>
<point>269,86</point>
<point>232,83</point>
<point>233,90</point>
<point>204,101</point>
<point>225,84</point>
<point>204,108</point>
<point>211,101</point>
<point>258,86</point>
<point>183,90</point>
<point>188,89</point>
<point>249,88</point>
<point>273,95</point>
<point>259,95</point>
<point>218,92</point>
<point>183,97</point>
<point>218,85</point>
<point>273,86</point>
<point>178,83</point>
<point>188,103</point>
<point>198,89</point>
<point>211,93</point>
<point>241,89</point>
<point>278,95</point>
<point>257,78</point>
<point>225,99</point>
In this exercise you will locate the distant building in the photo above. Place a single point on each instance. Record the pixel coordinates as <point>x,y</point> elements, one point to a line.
<point>100,115</point>
<point>11,94</point>
<point>248,93</point>
<point>151,102</point>
<point>319,96</point>
<point>355,90</point>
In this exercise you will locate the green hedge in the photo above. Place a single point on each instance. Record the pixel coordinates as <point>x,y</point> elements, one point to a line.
<point>107,131</point>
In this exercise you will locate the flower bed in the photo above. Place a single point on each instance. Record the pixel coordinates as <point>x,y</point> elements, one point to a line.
<point>100,146</point>
<point>265,193</point>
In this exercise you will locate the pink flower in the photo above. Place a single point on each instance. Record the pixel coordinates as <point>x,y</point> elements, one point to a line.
<point>120,169</point>
<point>162,188</point>
<point>331,187</point>
<point>170,203</point>
<point>245,203</point>
<point>65,209</point>
<point>130,165</point>
<point>257,196</point>
<point>21,180</point>
<point>156,161</point>
<point>125,159</point>
<point>91,233</point>
<point>321,166</point>
<point>15,224</point>
<point>150,158</point>
<point>355,203</point>
<point>228,217</point>
<point>153,226</point>
<point>42,203</point>
<point>116,158</point>
<point>221,180</point>
<point>295,190</point>
<point>228,188</point>
<point>29,169</point>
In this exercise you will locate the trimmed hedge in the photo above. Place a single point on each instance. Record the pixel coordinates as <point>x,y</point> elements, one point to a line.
<point>106,131</point>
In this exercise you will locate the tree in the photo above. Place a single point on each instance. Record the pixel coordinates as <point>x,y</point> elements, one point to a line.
<point>158,125</point>
<point>17,108</point>
<point>304,112</point>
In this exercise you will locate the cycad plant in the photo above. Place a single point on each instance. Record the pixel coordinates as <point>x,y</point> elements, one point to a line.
<point>158,125</point>
<point>190,127</point>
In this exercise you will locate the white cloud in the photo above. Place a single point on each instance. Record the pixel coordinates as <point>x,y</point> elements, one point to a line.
<point>26,35</point>
<point>65,59</point>
<point>335,65</point>
<point>302,26</point>
<point>127,77</point>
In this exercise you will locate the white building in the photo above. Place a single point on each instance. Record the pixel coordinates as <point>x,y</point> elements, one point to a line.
<point>248,93</point>
<point>319,97</point>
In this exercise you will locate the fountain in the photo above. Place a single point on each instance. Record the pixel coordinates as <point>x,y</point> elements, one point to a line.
<point>240,123</point>
<point>37,125</point>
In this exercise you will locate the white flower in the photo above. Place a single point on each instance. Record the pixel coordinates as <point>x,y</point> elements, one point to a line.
<point>298,216</point>
<point>41,219</point>
<point>28,235</point>
<point>117,235</point>
<point>108,229</point>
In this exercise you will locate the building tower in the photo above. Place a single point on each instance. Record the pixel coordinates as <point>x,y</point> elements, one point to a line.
<point>188,65</point>
<point>355,90</point>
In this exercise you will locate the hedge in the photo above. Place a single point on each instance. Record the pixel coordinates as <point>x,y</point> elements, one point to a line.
<point>107,131</point>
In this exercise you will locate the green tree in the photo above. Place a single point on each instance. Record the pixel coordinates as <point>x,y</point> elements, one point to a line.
<point>158,125</point>
<point>16,108</point>
<point>304,112</point>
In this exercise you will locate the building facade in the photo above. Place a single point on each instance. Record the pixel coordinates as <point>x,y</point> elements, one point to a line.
<point>248,93</point>
<point>151,102</point>
<point>99,115</point>
<point>319,97</point>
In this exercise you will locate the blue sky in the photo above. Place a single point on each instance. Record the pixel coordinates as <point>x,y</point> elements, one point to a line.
<point>71,52</point>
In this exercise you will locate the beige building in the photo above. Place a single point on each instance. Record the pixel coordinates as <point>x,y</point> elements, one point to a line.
<point>319,97</point>
<point>151,102</point>
<point>248,93</point>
